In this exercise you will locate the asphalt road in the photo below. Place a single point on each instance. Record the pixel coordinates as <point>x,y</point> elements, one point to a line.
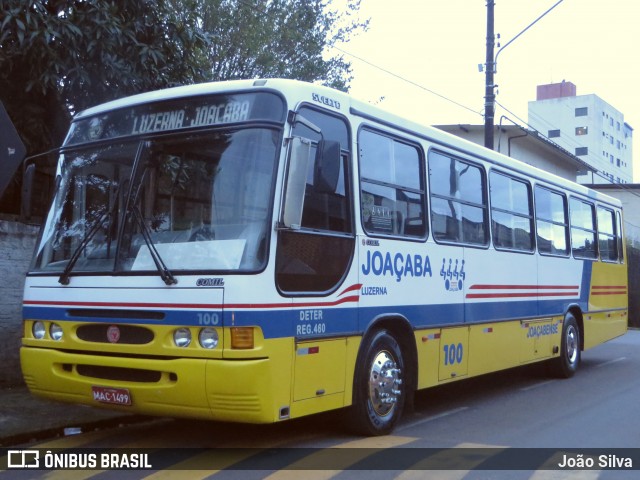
<point>519,409</point>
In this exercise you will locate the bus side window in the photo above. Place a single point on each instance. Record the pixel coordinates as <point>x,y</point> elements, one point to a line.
<point>458,201</point>
<point>511,213</point>
<point>620,238</point>
<point>392,189</point>
<point>583,229</point>
<point>607,238</point>
<point>315,258</point>
<point>552,226</point>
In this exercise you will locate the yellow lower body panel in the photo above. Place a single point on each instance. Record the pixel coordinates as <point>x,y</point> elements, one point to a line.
<point>237,390</point>
<point>603,326</point>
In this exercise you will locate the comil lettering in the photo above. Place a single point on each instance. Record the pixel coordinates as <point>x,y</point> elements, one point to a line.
<point>396,265</point>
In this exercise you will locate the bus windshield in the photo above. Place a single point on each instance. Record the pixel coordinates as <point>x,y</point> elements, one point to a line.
<point>202,200</point>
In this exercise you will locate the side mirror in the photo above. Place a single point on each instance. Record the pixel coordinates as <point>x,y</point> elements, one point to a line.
<point>27,191</point>
<point>327,166</point>
<point>38,184</point>
<point>296,181</point>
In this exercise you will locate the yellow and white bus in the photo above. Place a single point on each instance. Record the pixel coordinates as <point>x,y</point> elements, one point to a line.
<point>257,251</point>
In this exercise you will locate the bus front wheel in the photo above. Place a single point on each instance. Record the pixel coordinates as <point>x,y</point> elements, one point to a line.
<point>379,394</point>
<point>566,364</point>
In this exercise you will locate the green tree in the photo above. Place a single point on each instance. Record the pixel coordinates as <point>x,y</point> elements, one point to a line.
<point>58,57</point>
<point>279,38</point>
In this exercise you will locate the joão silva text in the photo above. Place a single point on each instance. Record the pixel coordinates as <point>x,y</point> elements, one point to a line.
<point>604,461</point>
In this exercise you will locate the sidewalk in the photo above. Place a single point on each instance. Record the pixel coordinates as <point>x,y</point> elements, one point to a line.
<point>25,418</point>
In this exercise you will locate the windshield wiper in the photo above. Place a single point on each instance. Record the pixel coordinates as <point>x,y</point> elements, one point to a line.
<point>64,277</point>
<point>165,273</point>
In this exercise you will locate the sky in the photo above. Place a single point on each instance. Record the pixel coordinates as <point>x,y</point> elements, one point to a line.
<point>436,46</point>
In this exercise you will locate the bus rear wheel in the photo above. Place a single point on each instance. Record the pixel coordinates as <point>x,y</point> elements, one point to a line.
<point>379,394</point>
<point>566,365</point>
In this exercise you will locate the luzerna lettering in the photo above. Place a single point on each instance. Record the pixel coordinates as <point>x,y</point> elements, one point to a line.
<point>373,291</point>
<point>154,122</point>
<point>398,265</point>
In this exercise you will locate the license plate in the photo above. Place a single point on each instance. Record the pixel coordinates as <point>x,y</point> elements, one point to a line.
<point>113,396</point>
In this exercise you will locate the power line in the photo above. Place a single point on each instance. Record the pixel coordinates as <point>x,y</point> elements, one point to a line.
<point>444,97</point>
<point>371,64</point>
<point>411,82</point>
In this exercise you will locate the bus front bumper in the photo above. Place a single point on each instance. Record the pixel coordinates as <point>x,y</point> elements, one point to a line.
<point>228,390</point>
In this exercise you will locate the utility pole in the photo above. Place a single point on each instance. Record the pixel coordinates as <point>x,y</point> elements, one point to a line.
<point>490,70</point>
<point>489,95</point>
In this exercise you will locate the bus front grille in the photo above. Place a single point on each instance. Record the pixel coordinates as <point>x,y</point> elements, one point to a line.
<point>127,334</point>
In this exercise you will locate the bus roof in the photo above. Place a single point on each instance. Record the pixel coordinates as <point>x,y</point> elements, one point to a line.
<point>299,91</point>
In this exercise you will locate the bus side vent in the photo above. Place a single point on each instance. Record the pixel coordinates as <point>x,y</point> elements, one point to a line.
<point>284,413</point>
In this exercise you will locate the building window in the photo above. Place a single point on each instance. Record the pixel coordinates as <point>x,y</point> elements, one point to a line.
<point>582,130</point>
<point>582,151</point>
<point>554,133</point>
<point>582,112</point>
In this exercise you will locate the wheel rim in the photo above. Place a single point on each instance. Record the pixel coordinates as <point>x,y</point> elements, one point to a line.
<point>571,344</point>
<point>384,383</point>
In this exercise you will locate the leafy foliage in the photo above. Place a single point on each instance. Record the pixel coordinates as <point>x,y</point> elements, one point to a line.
<point>58,57</point>
<point>278,38</point>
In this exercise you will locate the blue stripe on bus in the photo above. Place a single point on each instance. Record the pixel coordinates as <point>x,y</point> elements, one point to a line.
<point>585,287</point>
<point>343,320</point>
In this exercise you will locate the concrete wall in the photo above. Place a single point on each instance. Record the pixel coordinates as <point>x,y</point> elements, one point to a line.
<point>17,242</point>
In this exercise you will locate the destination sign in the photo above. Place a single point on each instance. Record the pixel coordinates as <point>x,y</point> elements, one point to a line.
<point>177,114</point>
<point>201,116</point>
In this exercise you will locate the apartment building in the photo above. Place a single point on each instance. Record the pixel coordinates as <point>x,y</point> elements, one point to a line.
<point>588,127</point>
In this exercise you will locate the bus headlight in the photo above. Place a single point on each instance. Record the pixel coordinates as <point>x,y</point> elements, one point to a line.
<point>182,337</point>
<point>38,330</point>
<point>55,331</point>
<point>208,338</point>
